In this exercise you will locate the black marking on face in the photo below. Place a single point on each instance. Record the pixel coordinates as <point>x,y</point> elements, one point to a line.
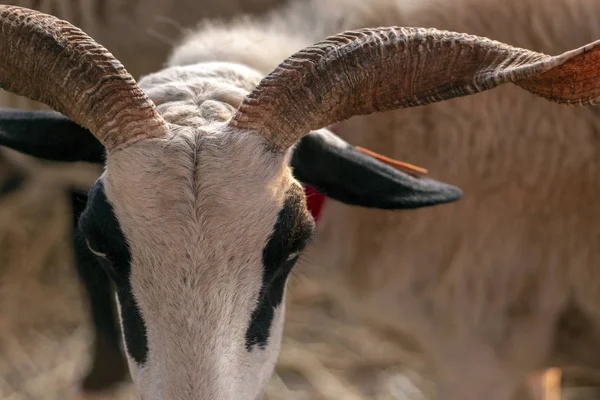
<point>104,235</point>
<point>291,233</point>
<point>98,287</point>
<point>108,363</point>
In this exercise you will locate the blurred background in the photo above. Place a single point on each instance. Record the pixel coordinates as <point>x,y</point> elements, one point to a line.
<point>44,324</point>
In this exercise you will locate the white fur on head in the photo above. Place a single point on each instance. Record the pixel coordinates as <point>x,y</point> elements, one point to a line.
<point>197,210</point>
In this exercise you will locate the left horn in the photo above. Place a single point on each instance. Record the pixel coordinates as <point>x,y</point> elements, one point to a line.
<point>369,70</point>
<point>50,60</point>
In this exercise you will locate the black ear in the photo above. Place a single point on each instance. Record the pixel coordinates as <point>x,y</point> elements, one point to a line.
<point>48,135</point>
<point>339,171</point>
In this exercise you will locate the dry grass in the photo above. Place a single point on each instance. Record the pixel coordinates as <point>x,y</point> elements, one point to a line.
<point>44,335</point>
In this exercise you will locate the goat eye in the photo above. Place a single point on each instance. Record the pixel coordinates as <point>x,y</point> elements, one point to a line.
<point>94,251</point>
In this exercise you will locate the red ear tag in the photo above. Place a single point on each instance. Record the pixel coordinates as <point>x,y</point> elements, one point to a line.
<point>314,201</point>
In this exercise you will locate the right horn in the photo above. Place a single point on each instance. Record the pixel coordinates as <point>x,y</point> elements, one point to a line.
<point>50,60</point>
<point>369,70</point>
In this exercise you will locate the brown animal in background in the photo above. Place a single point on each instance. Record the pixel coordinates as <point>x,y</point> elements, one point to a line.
<point>505,281</point>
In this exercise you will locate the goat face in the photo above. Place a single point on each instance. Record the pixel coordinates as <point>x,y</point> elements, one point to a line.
<point>199,233</point>
<point>200,271</point>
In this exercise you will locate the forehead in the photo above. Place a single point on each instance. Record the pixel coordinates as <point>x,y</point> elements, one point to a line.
<point>221,181</point>
<point>202,164</point>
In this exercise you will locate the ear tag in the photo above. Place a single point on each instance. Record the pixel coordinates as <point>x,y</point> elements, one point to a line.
<point>314,201</point>
<point>409,168</point>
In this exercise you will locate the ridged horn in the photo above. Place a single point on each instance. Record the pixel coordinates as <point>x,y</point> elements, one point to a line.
<point>364,71</point>
<point>51,61</point>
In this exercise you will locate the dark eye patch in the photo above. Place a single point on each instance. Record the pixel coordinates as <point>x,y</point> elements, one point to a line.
<point>103,233</point>
<point>291,233</point>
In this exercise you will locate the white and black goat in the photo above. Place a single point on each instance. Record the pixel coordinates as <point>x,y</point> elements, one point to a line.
<point>197,218</point>
<point>320,158</point>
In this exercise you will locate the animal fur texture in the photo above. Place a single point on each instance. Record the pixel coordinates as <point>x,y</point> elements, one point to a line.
<point>503,282</point>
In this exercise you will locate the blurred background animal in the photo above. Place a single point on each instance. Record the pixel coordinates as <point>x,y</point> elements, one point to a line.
<point>495,275</point>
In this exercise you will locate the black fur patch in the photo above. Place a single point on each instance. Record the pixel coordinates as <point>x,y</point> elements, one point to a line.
<point>95,280</point>
<point>292,232</point>
<point>108,362</point>
<point>103,232</point>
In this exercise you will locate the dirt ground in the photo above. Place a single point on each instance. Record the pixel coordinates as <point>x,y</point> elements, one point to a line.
<point>44,334</point>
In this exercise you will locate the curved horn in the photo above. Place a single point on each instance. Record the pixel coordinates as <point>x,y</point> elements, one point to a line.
<point>50,60</point>
<point>369,70</point>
